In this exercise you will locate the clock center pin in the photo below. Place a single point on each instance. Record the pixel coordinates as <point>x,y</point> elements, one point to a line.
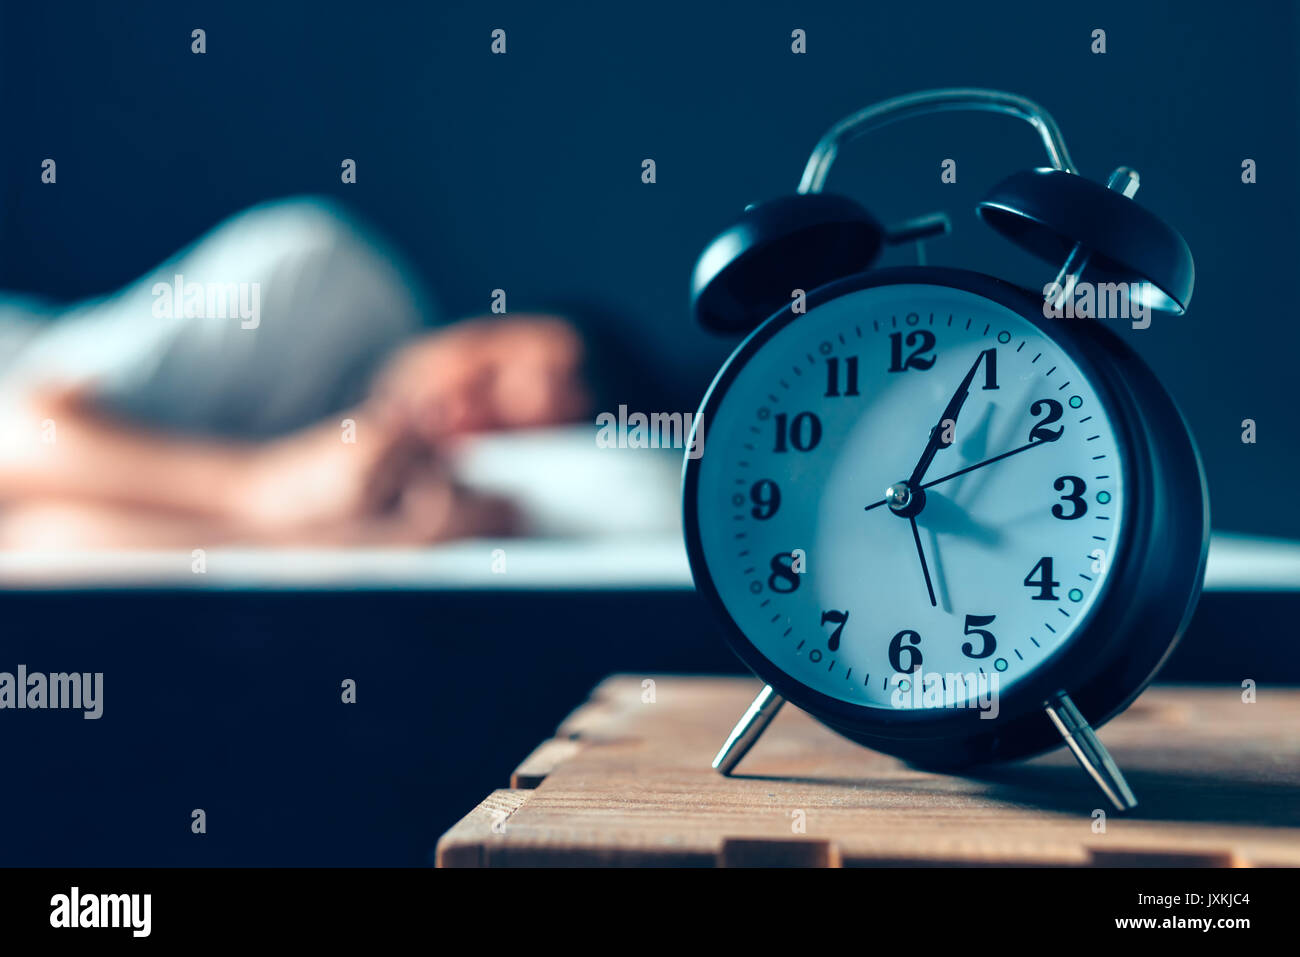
<point>903,500</point>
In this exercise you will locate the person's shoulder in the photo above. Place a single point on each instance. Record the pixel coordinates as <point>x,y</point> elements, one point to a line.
<point>301,223</point>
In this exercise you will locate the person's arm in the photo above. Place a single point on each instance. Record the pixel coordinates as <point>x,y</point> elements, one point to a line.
<point>269,489</point>
<point>60,448</point>
<point>77,526</point>
<point>101,483</point>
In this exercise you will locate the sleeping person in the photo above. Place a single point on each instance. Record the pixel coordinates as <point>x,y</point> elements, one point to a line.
<point>272,384</point>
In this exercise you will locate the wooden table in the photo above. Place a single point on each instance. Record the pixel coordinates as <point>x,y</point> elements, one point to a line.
<point>626,781</point>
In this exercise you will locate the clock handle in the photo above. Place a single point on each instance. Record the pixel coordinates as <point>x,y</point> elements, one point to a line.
<point>932,101</point>
<point>748,729</point>
<point>1089,751</point>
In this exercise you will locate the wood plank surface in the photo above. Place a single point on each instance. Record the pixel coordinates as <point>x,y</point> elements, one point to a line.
<point>626,781</point>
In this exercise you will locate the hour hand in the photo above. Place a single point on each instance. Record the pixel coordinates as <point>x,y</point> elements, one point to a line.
<point>949,414</point>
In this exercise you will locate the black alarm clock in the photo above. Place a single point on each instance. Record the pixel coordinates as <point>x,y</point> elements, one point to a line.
<point>949,517</point>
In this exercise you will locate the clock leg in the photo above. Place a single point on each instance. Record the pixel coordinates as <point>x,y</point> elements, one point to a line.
<point>1090,752</point>
<point>748,729</point>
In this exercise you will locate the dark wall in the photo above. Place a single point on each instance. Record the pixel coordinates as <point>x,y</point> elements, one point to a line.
<point>523,171</point>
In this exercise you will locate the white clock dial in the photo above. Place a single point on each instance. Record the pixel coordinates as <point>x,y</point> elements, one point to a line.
<point>826,579</point>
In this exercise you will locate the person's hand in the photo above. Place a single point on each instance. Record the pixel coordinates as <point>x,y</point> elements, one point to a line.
<point>384,486</point>
<point>329,473</point>
<point>485,374</point>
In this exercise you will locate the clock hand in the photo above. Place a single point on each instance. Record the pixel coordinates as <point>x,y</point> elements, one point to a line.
<point>925,569</point>
<point>970,468</point>
<point>980,465</point>
<point>950,413</point>
<point>907,498</point>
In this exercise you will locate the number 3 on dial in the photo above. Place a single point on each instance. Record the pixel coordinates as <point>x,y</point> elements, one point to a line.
<point>1075,497</point>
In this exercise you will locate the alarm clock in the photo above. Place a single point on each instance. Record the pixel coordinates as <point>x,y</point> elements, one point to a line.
<point>947,521</point>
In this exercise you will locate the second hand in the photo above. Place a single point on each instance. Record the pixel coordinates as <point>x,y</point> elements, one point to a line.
<point>969,468</point>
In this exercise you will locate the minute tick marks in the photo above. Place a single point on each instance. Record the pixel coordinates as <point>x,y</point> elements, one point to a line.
<point>843,441</point>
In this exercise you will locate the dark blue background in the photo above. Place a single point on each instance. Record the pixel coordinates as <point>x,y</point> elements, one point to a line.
<point>523,172</point>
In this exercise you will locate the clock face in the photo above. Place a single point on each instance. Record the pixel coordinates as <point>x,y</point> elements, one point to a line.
<point>985,557</point>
